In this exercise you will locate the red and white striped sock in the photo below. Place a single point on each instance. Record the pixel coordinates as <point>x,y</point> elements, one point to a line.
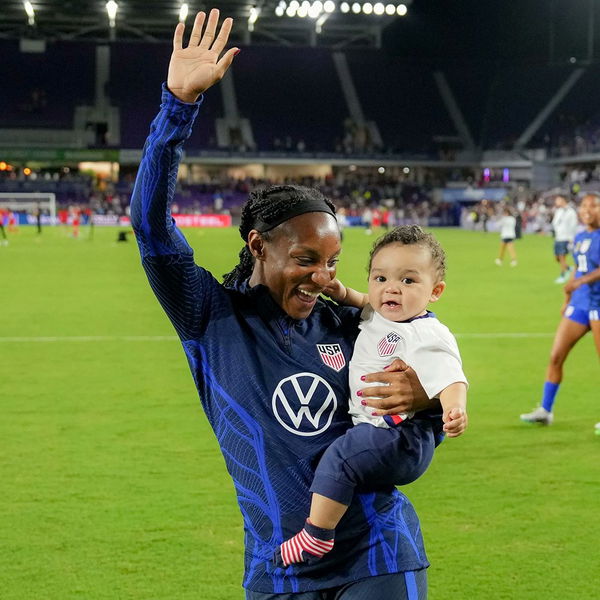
<point>312,540</point>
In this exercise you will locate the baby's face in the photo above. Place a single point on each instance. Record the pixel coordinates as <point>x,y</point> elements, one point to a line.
<point>402,281</point>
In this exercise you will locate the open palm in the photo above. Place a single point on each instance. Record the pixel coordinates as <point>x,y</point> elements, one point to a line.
<point>194,69</point>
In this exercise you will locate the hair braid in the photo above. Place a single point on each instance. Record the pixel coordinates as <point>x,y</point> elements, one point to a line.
<point>264,204</point>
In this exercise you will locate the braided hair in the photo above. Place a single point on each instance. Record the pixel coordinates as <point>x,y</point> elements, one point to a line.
<point>268,207</point>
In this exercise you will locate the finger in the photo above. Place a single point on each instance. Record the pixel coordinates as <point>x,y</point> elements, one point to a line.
<point>211,27</point>
<point>178,36</point>
<point>223,36</point>
<point>226,61</point>
<point>377,391</point>
<point>396,365</point>
<point>197,29</point>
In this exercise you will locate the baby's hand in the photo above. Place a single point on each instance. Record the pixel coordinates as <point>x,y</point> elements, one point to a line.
<point>336,291</point>
<point>455,421</point>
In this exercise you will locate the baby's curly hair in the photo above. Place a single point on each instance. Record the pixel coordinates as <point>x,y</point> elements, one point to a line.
<point>413,234</point>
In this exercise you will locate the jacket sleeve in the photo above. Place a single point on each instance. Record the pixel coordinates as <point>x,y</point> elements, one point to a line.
<point>184,290</point>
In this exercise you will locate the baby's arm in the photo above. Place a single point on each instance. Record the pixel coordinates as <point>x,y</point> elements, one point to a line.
<point>454,404</point>
<point>337,291</point>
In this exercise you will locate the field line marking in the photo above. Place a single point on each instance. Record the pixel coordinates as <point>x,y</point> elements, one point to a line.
<point>172,338</point>
<point>93,338</point>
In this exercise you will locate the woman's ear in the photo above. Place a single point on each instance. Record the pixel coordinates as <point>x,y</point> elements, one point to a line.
<point>256,245</point>
<point>437,291</point>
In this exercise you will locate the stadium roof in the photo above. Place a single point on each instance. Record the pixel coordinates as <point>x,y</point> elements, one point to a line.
<point>540,30</point>
<point>154,20</point>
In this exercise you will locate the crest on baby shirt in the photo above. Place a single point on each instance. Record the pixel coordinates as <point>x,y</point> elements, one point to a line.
<point>387,344</point>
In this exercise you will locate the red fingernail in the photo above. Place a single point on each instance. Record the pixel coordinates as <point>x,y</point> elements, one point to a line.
<point>363,402</point>
<point>237,52</point>
<point>359,393</point>
<point>362,378</point>
<point>386,367</point>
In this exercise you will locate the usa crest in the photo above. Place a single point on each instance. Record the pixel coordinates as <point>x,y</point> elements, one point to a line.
<point>332,356</point>
<point>387,345</point>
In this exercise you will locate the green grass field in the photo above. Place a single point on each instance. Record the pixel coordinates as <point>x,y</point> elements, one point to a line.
<point>112,485</point>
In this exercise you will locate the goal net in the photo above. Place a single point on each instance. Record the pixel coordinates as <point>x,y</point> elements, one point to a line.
<point>29,202</point>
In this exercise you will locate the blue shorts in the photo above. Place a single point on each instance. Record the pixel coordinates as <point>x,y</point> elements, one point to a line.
<point>411,585</point>
<point>507,240</point>
<point>577,315</point>
<point>561,248</point>
<point>368,458</point>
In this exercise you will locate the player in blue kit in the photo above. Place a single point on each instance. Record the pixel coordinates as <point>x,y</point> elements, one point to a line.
<point>269,359</point>
<point>580,310</point>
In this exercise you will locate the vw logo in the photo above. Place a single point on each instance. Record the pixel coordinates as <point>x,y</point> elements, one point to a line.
<point>304,404</point>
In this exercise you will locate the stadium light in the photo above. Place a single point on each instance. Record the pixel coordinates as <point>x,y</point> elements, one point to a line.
<point>401,10</point>
<point>254,12</point>
<point>320,22</point>
<point>30,12</point>
<point>367,8</point>
<point>112,8</point>
<point>315,10</point>
<point>329,6</point>
<point>381,170</point>
<point>280,11</point>
<point>345,7</point>
<point>183,12</point>
<point>379,8</point>
<point>356,8</point>
<point>302,11</point>
<point>290,11</point>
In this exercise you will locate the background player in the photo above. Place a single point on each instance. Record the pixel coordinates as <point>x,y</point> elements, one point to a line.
<point>564,225</point>
<point>508,234</point>
<point>578,314</point>
<point>406,273</point>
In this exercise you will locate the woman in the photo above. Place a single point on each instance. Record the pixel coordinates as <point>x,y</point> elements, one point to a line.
<point>508,234</point>
<point>580,309</point>
<point>269,358</point>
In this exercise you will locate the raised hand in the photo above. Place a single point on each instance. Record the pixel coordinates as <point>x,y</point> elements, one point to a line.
<point>194,69</point>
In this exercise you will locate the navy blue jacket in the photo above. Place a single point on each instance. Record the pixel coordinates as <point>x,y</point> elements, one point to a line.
<point>268,390</point>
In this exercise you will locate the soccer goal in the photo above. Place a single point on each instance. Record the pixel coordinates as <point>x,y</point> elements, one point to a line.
<point>29,201</point>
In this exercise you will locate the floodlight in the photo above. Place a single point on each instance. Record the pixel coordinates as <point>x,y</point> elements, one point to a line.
<point>320,21</point>
<point>112,8</point>
<point>406,170</point>
<point>379,8</point>
<point>345,7</point>
<point>280,11</point>
<point>302,12</point>
<point>290,11</point>
<point>183,12</point>
<point>356,8</point>
<point>381,170</point>
<point>402,10</point>
<point>317,5</point>
<point>314,11</point>
<point>30,12</point>
<point>329,6</point>
<point>367,8</point>
<point>390,9</point>
<point>294,5</point>
<point>254,12</point>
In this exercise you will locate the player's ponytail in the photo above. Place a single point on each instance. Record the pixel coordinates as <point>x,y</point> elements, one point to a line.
<point>264,211</point>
